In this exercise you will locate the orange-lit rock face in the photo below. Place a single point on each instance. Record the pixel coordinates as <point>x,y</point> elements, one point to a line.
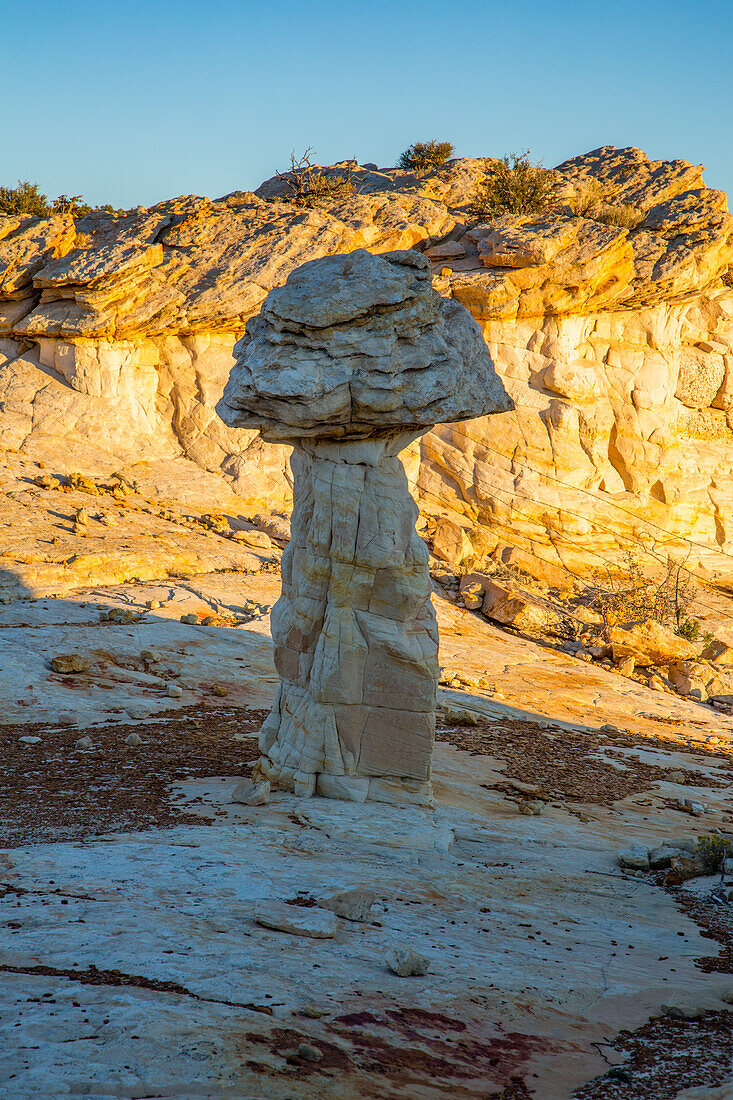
<point>116,335</point>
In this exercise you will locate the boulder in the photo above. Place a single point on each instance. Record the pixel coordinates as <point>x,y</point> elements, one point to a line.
<point>451,542</point>
<point>649,643</point>
<point>719,653</point>
<point>508,605</point>
<point>472,589</point>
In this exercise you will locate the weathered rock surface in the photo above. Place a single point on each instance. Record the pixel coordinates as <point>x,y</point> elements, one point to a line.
<point>117,330</point>
<point>650,643</point>
<point>351,360</point>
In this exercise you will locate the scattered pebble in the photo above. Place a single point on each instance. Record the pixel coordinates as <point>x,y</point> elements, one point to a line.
<point>29,740</point>
<point>67,663</point>
<point>83,743</point>
<point>139,712</point>
<point>174,691</point>
<point>134,739</point>
<point>407,963</point>
<point>635,858</point>
<point>296,919</point>
<point>249,793</point>
<point>350,904</point>
<point>530,807</point>
<point>309,1053</point>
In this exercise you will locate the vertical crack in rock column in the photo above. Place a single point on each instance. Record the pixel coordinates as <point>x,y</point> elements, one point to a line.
<point>349,361</point>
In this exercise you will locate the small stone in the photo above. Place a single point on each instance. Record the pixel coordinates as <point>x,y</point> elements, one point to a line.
<point>150,656</point>
<point>407,963</point>
<point>249,793</point>
<point>626,666</point>
<point>220,690</point>
<point>662,856</point>
<point>296,919</point>
<point>68,663</point>
<point>684,1012</point>
<point>309,1053</point>
<point>350,904</point>
<point>727,996</point>
<point>133,740</point>
<point>173,691</point>
<point>153,605</point>
<point>313,1012</point>
<point>686,867</point>
<point>29,740</point>
<point>530,807</point>
<point>635,858</point>
<point>459,716</point>
<point>676,777</point>
<point>190,620</point>
<point>608,727</point>
<point>83,743</point>
<point>138,712</point>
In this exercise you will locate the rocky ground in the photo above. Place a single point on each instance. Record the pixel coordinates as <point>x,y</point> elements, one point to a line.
<point>143,910</point>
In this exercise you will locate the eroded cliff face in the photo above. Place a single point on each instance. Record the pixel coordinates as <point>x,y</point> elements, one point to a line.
<point>615,343</point>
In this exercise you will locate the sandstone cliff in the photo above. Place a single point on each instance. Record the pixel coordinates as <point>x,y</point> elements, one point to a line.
<point>615,343</point>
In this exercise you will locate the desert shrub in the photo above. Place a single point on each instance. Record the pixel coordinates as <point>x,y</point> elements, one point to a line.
<point>24,199</point>
<point>515,186</point>
<point>27,199</point>
<point>72,204</point>
<point>588,199</point>
<point>626,593</point>
<point>423,155</point>
<point>622,215</point>
<point>308,185</point>
<point>590,202</point>
<point>689,630</point>
<point>712,850</point>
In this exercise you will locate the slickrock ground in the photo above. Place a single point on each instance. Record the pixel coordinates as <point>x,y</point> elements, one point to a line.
<point>615,342</point>
<point>131,963</point>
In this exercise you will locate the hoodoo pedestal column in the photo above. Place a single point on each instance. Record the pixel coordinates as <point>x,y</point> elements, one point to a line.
<point>350,361</point>
<point>356,639</point>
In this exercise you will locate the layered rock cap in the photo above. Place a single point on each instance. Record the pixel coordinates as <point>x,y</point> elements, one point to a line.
<point>360,345</point>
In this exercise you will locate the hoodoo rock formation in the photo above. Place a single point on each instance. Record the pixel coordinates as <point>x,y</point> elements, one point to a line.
<point>354,358</point>
<point>609,317</point>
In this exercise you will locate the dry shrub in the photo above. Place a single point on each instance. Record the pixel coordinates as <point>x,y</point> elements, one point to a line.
<point>308,185</point>
<point>590,202</point>
<point>26,198</point>
<point>423,155</point>
<point>627,594</point>
<point>515,186</point>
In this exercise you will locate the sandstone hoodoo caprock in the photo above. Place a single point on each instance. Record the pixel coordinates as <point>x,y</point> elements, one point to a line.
<point>354,358</point>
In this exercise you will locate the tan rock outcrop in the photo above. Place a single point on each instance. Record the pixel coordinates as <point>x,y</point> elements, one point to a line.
<point>615,342</point>
<point>355,356</point>
<point>650,643</point>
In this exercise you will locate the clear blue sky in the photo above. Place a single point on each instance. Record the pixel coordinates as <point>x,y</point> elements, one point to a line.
<point>132,102</point>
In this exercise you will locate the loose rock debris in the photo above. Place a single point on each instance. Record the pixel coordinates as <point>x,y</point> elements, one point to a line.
<point>63,787</point>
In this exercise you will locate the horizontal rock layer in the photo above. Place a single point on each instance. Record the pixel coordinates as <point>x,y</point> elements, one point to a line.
<point>116,336</point>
